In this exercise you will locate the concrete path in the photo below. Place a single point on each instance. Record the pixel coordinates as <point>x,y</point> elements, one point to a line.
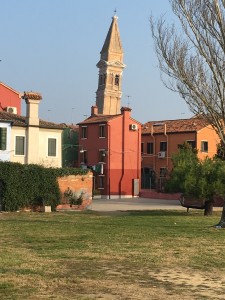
<point>124,204</point>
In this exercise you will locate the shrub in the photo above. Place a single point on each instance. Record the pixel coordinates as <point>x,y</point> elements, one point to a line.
<point>29,185</point>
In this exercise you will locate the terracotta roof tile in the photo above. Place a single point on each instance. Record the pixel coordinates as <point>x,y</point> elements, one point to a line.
<point>173,126</point>
<point>99,119</point>
<point>17,120</point>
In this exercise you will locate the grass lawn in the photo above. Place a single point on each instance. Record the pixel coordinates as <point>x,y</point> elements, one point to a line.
<point>129,255</point>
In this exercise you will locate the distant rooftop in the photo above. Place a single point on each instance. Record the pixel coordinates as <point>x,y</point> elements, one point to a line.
<point>173,126</point>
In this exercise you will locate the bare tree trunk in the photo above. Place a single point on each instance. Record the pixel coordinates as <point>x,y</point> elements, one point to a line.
<point>208,208</point>
<point>222,220</point>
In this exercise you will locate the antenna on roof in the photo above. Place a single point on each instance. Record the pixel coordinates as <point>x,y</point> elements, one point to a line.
<point>115,12</point>
<point>128,100</point>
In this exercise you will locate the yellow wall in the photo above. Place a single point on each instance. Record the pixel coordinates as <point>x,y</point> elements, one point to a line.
<point>40,140</point>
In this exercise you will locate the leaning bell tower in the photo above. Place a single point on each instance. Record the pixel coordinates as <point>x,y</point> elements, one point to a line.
<point>108,95</point>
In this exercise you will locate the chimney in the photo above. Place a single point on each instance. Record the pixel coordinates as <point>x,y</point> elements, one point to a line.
<point>32,101</point>
<point>94,110</point>
<point>126,111</point>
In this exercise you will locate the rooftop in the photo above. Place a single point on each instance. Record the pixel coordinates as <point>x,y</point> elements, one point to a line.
<point>173,126</point>
<point>99,119</point>
<point>17,120</point>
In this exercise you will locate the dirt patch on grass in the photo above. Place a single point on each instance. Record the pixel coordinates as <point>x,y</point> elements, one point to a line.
<point>208,285</point>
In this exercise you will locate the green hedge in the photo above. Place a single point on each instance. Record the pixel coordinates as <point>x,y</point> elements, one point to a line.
<point>30,185</point>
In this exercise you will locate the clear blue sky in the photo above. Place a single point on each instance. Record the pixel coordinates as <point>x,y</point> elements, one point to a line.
<point>52,47</point>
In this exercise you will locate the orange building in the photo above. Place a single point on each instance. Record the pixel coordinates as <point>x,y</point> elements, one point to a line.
<point>160,139</point>
<point>10,100</point>
<point>110,140</point>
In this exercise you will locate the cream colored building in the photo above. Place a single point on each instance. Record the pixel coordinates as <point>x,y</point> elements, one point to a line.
<point>29,140</point>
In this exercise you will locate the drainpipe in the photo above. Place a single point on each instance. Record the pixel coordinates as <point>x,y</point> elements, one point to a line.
<point>154,154</point>
<point>167,142</point>
<point>109,148</point>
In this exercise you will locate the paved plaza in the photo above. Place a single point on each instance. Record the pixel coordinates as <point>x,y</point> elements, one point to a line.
<point>124,204</point>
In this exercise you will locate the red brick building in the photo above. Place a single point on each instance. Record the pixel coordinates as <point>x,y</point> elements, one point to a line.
<point>10,100</point>
<point>160,139</point>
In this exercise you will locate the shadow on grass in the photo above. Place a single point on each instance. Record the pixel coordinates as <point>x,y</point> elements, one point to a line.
<point>158,213</point>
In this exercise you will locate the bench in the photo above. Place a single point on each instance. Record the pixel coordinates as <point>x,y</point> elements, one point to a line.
<point>192,203</point>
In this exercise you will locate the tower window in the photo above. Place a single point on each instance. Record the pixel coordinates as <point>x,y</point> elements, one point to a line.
<point>117,80</point>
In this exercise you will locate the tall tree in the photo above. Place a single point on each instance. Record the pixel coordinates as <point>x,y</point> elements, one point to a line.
<point>192,56</point>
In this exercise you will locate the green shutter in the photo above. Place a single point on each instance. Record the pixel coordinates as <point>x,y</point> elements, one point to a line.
<point>51,147</point>
<point>20,145</point>
<point>3,138</point>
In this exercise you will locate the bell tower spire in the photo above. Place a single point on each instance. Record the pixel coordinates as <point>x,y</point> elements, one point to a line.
<point>109,92</point>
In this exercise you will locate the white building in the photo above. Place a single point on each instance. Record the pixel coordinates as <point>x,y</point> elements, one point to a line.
<point>28,139</point>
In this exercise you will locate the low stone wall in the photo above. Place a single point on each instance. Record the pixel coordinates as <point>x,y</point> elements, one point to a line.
<point>80,184</point>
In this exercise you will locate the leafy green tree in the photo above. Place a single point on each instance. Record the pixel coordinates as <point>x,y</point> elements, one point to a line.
<point>195,179</point>
<point>220,153</point>
<point>184,164</point>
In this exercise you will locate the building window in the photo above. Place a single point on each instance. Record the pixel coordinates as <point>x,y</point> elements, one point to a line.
<point>101,182</point>
<point>51,147</point>
<point>102,155</point>
<point>84,132</point>
<point>192,144</point>
<point>83,157</point>
<point>102,131</point>
<point>163,146</point>
<point>142,147</point>
<point>163,172</point>
<point>117,80</point>
<point>204,146</point>
<point>150,148</point>
<point>20,145</point>
<point>3,138</point>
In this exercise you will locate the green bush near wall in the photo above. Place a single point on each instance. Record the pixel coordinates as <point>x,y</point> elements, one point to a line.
<point>31,185</point>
